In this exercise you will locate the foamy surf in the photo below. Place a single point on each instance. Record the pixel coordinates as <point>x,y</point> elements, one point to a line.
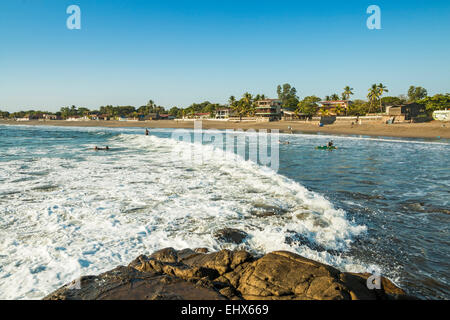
<point>66,217</point>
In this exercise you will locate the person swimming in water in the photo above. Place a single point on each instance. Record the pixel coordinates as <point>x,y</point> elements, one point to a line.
<point>97,148</point>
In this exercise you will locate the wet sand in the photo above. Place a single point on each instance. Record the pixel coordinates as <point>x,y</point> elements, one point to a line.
<point>433,130</point>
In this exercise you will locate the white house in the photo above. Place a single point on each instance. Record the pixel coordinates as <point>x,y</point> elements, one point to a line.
<point>441,115</point>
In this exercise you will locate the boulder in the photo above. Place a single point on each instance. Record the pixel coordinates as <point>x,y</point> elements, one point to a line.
<point>230,235</point>
<point>194,275</point>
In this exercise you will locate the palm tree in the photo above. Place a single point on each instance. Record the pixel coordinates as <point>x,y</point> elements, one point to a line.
<point>150,107</point>
<point>327,98</point>
<point>347,92</point>
<point>247,98</point>
<point>324,112</point>
<point>339,110</point>
<point>239,108</point>
<point>381,89</point>
<point>334,97</point>
<point>232,100</point>
<point>373,95</point>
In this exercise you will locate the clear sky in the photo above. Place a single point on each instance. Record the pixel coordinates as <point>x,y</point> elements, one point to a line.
<point>179,52</point>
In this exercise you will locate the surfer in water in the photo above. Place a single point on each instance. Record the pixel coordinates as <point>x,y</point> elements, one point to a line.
<point>146,132</point>
<point>97,148</point>
<point>330,144</point>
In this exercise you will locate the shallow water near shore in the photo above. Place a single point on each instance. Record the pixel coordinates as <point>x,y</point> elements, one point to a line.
<point>67,210</point>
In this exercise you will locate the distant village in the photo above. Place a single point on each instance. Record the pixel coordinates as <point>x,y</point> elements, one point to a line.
<point>416,106</point>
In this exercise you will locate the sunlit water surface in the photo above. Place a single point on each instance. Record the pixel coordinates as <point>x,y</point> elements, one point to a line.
<point>67,210</point>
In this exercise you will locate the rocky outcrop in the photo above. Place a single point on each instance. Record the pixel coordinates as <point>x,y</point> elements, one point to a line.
<point>230,235</point>
<point>197,275</point>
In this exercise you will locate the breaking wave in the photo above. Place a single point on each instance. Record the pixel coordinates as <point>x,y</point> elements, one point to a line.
<point>61,217</point>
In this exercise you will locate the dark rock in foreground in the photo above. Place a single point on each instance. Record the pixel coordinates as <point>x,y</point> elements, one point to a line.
<point>186,274</point>
<point>230,235</point>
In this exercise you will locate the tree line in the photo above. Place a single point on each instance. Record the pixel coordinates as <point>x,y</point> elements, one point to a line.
<point>246,105</point>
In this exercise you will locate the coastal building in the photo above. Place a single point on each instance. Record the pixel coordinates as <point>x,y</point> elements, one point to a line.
<point>78,118</point>
<point>336,107</point>
<point>223,113</point>
<point>127,118</point>
<point>103,117</point>
<point>201,115</point>
<point>441,115</point>
<point>166,117</point>
<point>291,115</point>
<point>50,117</point>
<point>268,109</point>
<point>406,112</point>
<point>152,116</point>
<point>28,117</point>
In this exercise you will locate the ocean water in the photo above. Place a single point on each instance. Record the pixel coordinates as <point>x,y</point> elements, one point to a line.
<point>375,204</point>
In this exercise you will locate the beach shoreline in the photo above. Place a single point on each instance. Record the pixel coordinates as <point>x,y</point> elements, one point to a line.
<point>323,206</point>
<point>430,130</point>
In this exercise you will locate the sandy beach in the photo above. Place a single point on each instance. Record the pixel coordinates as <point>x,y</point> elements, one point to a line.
<point>88,211</point>
<point>430,130</point>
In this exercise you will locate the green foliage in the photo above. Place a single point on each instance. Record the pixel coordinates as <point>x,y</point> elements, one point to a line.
<point>288,96</point>
<point>245,106</point>
<point>416,93</point>
<point>374,96</point>
<point>358,108</point>
<point>4,114</point>
<point>21,114</point>
<point>119,111</point>
<point>334,97</point>
<point>69,111</point>
<point>308,106</point>
<point>339,110</point>
<point>176,112</point>
<point>204,107</point>
<point>260,97</point>
<point>436,102</point>
<point>232,101</point>
<point>391,101</point>
<point>347,93</point>
<point>149,108</point>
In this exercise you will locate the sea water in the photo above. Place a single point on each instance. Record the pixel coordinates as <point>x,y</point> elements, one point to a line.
<point>375,204</point>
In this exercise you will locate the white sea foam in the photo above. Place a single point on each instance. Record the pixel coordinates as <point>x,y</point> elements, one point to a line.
<point>62,218</point>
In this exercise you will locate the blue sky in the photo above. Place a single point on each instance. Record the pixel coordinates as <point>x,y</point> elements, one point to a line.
<point>179,52</point>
